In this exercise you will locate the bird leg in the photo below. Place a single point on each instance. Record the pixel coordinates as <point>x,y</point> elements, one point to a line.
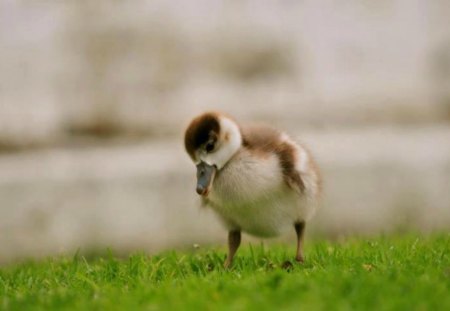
<point>300,229</point>
<point>234,240</point>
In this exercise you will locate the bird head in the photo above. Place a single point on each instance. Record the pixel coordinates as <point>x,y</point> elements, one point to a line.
<point>211,140</point>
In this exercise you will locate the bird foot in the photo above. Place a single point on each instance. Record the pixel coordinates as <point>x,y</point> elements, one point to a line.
<point>227,264</point>
<point>300,259</point>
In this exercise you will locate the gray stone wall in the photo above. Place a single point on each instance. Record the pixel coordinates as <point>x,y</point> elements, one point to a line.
<point>94,97</point>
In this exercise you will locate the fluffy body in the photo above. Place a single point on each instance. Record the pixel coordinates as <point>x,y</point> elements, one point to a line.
<point>256,179</point>
<point>251,193</point>
<point>265,182</point>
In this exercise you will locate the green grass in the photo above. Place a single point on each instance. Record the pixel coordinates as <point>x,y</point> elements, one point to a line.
<point>387,273</point>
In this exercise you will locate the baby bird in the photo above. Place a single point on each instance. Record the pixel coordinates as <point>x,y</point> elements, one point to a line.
<point>255,178</point>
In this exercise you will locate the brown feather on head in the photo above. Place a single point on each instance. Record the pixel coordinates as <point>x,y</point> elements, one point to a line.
<point>202,129</point>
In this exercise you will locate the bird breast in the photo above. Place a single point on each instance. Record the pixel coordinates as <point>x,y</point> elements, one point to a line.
<point>249,193</point>
<point>248,177</point>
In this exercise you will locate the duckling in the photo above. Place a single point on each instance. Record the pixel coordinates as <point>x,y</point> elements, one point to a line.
<point>255,178</point>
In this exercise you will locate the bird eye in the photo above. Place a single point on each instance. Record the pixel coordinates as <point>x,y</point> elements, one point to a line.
<point>209,147</point>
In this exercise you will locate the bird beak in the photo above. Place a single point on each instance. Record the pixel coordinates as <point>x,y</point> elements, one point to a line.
<point>205,177</point>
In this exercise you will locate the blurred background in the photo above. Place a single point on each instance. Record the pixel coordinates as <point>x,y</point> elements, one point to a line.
<point>95,95</point>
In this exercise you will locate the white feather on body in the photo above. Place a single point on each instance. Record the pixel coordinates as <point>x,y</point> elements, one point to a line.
<point>250,194</point>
